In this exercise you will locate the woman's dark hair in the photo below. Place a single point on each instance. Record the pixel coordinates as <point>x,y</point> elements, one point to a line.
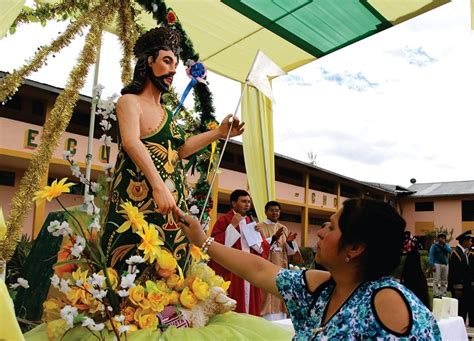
<point>379,227</point>
<point>414,278</point>
<point>235,195</point>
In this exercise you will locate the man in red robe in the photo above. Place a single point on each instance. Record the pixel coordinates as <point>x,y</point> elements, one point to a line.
<point>235,229</point>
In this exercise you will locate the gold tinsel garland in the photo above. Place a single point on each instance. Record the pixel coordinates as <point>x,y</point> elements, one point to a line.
<point>55,125</point>
<point>10,83</point>
<point>128,35</point>
<point>46,11</point>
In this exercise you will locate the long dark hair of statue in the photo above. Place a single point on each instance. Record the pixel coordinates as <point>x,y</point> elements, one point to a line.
<point>140,76</point>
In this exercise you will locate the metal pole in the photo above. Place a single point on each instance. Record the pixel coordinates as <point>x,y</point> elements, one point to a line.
<point>222,153</point>
<point>90,140</point>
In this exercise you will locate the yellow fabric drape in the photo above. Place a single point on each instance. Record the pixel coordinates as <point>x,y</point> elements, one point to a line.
<point>258,148</point>
<point>10,329</point>
<point>9,10</point>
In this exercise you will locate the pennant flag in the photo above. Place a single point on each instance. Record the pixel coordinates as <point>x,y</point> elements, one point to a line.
<point>263,69</point>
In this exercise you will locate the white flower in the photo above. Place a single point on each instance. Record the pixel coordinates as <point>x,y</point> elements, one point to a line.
<point>90,323</point>
<point>95,225</point>
<point>55,281</point>
<point>113,117</point>
<point>20,282</point>
<point>106,125</point>
<point>59,229</point>
<point>23,282</point>
<point>122,293</point>
<point>97,90</point>
<point>66,155</point>
<point>67,314</point>
<point>79,282</point>
<point>128,281</point>
<point>82,179</point>
<point>106,139</point>
<point>135,260</point>
<point>124,329</point>
<point>194,210</point>
<point>96,280</point>
<point>64,286</point>
<point>89,205</point>
<point>98,294</point>
<point>108,166</point>
<point>95,186</point>
<point>78,247</point>
<point>76,171</point>
<point>119,318</point>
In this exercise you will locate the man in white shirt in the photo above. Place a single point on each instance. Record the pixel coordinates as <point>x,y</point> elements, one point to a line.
<point>282,244</point>
<point>236,230</point>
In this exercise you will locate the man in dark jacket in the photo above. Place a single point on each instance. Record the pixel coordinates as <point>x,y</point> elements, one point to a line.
<point>460,277</point>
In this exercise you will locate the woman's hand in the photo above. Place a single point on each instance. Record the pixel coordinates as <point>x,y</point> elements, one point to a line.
<point>237,127</point>
<point>191,227</point>
<point>164,201</point>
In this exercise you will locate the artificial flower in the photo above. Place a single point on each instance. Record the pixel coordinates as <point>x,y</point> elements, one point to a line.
<point>200,289</point>
<point>158,300</point>
<point>173,297</point>
<point>136,294</point>
<point>129,312</point>
<point>197,254</point>
<point>175,282</point>
<point>113,277</point>
<point>212,125</point>
<point>187,298</point>
<point>147,321</point>
<point>150,243</point>
<point>166,260</point>
<point>135,218</point>
<point>55,190</point>
<point>171,17</point>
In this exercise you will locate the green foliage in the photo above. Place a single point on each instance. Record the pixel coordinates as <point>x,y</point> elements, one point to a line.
<point>16,263</point>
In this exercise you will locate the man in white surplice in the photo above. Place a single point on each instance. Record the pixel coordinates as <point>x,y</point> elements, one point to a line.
<point>236,230</point>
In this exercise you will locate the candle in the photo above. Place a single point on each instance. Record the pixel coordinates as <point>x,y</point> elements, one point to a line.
<point>445,305</point>
<point>453,307</point>
<point>437,308</point>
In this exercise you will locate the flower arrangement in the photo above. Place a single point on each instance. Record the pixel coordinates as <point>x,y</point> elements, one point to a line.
<point>153,292</point>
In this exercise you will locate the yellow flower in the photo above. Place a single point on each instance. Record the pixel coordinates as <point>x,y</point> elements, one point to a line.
<point>158,300</point>
<point>166,260</point>
<point>212,125</point>
<point>173,298</point>
<point>113,277</point>
<point>129,312</point>
<point>218,281</point>
<point>150,243</point>
<point>175,282</point>
<point>80,275</point>
<point>133,328</point>
<point>145,304</point>
<point>197,254</point>
<point>51,309</point>
<point>135,218</point>
<point>55,190</point>
<point>187,298</point>
<point>136,294</point>
<point>200,289</point>
<point>146,320</point>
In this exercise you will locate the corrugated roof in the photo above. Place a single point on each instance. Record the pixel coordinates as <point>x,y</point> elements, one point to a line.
<point>440,189</point>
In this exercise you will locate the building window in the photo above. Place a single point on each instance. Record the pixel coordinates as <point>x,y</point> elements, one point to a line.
<point>293,218</point>
<point>426,206</point>
<point>468,210</point>
<point>7,178</point>
<point>290,176</point>
<point>38,108</point>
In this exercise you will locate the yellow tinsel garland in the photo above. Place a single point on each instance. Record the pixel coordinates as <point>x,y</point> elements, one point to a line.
<point>10,83</point>
<point>55,125</point>
<point>128,35</point>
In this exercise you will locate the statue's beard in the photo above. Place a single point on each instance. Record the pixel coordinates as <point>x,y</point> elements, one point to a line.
<point>159,81</point>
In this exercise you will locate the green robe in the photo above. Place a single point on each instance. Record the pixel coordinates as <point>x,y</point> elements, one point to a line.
<point>130,184</point>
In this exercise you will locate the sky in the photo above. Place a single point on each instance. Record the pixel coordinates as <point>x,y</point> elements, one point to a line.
<point>394,106</point>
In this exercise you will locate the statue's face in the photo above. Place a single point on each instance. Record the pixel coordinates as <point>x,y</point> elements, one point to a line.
<point>163,69</point>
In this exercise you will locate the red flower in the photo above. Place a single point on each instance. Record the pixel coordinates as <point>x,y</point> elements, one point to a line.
<point>171,18</point>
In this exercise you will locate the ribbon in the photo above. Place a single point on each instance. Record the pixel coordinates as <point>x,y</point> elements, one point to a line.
<point>3,225</point>
<point>211,157</point>
<point>191,84</point>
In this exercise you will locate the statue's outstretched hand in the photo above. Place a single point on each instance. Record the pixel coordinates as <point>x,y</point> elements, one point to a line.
<point>237,127</point>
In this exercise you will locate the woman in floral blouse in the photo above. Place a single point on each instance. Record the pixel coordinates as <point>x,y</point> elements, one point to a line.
<point>355,299</point>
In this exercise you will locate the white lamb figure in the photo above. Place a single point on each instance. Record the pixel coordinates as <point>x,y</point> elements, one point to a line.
<point>217,303</point>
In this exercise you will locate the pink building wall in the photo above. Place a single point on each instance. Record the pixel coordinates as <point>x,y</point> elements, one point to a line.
<point>289,192</point>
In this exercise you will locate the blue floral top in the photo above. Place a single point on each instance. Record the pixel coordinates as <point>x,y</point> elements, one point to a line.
<point>356,319</point>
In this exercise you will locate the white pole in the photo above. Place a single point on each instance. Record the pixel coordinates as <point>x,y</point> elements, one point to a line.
<point>90,140</point>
